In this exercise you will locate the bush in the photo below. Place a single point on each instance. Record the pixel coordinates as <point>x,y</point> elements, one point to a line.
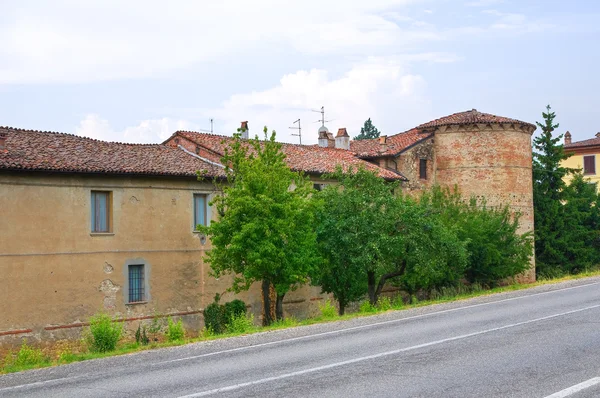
<point>241,323</point>
<point>175,331</point>
<point>213,318</point>
<point>26,357</point>
<point>366,307</point>
<point>234,309</point>
<point>384,304</point>
<point>104,333</point>
<point>217,316</point>
<point>328,310</point>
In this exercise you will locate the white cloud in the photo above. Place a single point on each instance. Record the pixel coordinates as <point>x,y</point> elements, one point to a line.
<point>147,131</point>
<point>483,3</point>
<point>73,41</point>
<point>380,89</point>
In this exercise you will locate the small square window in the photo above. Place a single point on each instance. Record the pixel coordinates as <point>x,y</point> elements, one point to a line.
<point>100,211</point>
<point>137,289</point>
<point>200,210</point>
<point>423,169</point>
<point>589,164</point>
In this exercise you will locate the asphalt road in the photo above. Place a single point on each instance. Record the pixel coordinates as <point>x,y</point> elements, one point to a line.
<point>543,342</point>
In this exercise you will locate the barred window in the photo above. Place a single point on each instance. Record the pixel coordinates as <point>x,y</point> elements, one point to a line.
<point>136,283</point>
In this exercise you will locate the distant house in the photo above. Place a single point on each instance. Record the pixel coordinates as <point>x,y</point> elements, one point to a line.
<point>585,156</point>
<point>92,226</point>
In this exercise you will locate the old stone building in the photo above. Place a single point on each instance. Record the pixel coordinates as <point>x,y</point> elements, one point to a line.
<point>89,225</point>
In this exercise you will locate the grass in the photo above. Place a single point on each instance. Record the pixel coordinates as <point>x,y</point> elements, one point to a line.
<point>28,357</point>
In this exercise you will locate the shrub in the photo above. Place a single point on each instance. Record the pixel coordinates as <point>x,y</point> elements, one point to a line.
<point>241,323</point>
<point>140,335</point>
<point>234,309</point>
<point>384,304</point>
<point>175,331</point>
<point>366,307</point>
<point>327,310</point>
<point>213,318</point>
<point>26,357</point>
<point>104,333</point>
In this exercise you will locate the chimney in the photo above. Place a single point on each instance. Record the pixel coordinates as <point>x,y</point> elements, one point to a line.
<point>383,143</point>
<point>2,140</point>
<point>342,139</point>
<point>244,130</point>
<point>568,138</point>
<point>323,137</point>
<point>598,135</point>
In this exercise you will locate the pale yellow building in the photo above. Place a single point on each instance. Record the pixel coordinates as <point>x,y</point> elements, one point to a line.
<point>585,155</point>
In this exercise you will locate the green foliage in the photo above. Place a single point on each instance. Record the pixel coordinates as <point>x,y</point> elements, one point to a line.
<point>495,249</point>
<point>265,229</point>
<point>241,323</point>
<point>175,331</point>
<point>219,317</point>
<point>366,307</point>
<point>553,239</point>
<point>27,357</point>
<point>213,318</point>
<point>367,131</point>
<point>140,335</point>
<point>384,304</point>
<point>327,310</point>
<point>104,333</point>
<point>234,309</point>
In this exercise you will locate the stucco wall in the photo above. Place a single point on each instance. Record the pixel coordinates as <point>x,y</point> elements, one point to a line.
<point>55,273</point>
<point>576,162</point>
<point>491,161</point>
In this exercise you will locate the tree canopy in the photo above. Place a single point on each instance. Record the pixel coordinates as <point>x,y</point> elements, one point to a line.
<point>367,131</point>
<point>265,230</point>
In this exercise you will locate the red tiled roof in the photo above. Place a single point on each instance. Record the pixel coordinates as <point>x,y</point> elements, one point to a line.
<point>307,158</point>
<point>393,144</point>
<point>469,117</point>
<point>48,151</point>
<point>585,143</point>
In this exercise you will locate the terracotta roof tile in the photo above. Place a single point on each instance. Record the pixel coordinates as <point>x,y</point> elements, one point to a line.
<point>585,143</point>
<point>49,151</point>
<point>307,158</point>
<point>393,144</point>
<point>469,117</point>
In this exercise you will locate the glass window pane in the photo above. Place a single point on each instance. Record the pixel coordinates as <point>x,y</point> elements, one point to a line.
<point>199,210</point>
<point>136,283</point>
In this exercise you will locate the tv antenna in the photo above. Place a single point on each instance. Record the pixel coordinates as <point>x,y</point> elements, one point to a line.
<point>299,128</point>
<point>322,119</point>
<point>211,127</point>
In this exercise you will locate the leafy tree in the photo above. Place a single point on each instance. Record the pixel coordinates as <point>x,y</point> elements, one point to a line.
<point>552,238</point>
<point>367,131</point>
<point>369,236</point>
<point>495,249</point>
<point>356,233</point>
<point>265,227</point>
<point>582,220</point>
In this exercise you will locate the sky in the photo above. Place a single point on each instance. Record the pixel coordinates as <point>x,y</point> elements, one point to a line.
<point>138,70</point>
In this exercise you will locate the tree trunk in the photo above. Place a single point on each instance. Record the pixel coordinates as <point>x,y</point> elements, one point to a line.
<point>384,278</point>
<point>342,309</point>
<point>371,283</point>
<point>279,307</point>
<point>267,319</point>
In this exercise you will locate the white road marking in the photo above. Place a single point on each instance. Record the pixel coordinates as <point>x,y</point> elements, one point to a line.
<point>314,335</point>
<point>576,388</point>
<point>365,326</point>
<point>380,355</point>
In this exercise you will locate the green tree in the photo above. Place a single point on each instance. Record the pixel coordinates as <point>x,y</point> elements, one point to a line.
<point>265,231</point>
<point>370,236</point>
<point>367,131</point>
<point>496,250</point>
<point>552,238</point>
<point>582,220</point>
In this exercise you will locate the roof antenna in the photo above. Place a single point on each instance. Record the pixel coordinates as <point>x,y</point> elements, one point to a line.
<point>299,128</point>
<point>322,119</point>
<point>211,127</point>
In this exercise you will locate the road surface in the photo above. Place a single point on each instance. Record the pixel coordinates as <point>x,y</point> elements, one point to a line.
<point>542,342</point>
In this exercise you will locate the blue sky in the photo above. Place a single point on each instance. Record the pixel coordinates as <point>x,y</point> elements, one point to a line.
<point>139,70</point>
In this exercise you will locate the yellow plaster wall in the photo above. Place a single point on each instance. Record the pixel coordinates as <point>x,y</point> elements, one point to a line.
<point>576,162</point>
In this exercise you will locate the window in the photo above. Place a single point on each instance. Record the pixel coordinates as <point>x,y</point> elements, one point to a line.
<point>589,164</point>
<point>200,216</point>
<point>100,211</point>
<point>136,283</point>
<point>423,169</point>
<point>318,187</point>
